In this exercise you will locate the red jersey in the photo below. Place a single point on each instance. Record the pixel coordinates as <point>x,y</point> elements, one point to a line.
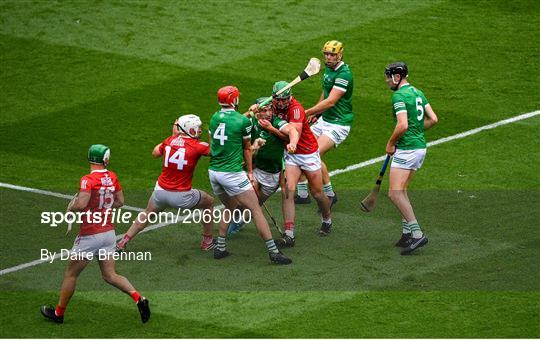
<point>307,143</point>
<point>180,156</point>
<point>102,185</point>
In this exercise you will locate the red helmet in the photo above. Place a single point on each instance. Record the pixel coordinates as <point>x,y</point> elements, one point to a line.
<point>228,96</point>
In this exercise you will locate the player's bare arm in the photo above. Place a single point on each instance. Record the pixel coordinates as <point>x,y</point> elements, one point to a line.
<point>325,104</point>
<point>266,125</point>
<point>293,137</point>
<point>248,157</point>
<point>431,118</point>
<point>118,199</point>
<point>401,127</point>
<point>156,153</point>
<point>80,202</point>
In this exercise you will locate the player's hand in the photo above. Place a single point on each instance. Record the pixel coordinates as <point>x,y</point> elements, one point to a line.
<point>254,108</point>
<point>265,124</point>
<point>291,148</point>
<point>390,149</point>
<point>250,176</point>
<point>312,119</point>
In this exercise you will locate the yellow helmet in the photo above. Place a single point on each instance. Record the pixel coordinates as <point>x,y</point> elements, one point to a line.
<point>332,46</point>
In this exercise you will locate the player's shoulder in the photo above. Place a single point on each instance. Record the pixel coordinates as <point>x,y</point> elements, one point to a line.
<point>168,140</point>
<point>398,96</point>
<point>112,174</point>
<point>244,119</point>
<point>344,69</point>
<point>295,104</point>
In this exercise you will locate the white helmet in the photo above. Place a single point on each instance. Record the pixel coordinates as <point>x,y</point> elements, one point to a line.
<point>190,125</point>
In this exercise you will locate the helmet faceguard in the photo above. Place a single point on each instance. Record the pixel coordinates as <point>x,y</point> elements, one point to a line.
<point>282,100</point>
<point>397,68</point>
<point>99,154</point>
<point>189,125</point>
<point>265,112</point>
<point>333,53</point>
<point>228,96</point>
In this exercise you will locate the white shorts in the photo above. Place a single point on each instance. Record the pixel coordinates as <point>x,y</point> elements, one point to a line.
<point>91,244</point>
<point>231,183</point>
<point>309,162</point>
<point>337,133</point>
<point>268,182</point>
<point>175,199</point>
<point>408,159</point>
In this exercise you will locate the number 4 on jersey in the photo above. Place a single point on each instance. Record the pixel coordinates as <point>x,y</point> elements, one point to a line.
<point>177,158</point>
<point>220,134</point>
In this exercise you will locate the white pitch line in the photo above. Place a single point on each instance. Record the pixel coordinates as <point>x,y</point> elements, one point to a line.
<point>442,140</point>
<point>332,173</point>
<point>53,194</point>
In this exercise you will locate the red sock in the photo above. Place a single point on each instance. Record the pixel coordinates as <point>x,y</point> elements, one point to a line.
<point>135,296</point>
<point>207,238</point>
<point>124,241</point>
<point>289,225</point>
<point>59,311</point>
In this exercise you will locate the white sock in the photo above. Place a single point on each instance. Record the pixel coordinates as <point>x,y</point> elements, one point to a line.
<point>302,189</point>
<point>328,190</point>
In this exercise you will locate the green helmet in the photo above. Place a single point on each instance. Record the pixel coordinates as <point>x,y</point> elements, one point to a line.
<point>260,100</point>
<point>99,154</point>
<point>278,86</point>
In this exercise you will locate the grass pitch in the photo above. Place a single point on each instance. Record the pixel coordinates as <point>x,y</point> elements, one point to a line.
<point>78,73</point>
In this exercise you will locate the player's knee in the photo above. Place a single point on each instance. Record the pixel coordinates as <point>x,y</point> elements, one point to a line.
<point>208,201</point>
<point>316,192</point>
<point>393,194</point>
<point>110,278</point>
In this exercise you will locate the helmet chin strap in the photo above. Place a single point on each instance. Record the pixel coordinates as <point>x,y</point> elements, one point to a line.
<point>396,86</point>
<point>184,131</point>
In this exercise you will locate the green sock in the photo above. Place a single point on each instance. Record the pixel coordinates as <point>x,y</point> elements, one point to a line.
<point>415,229</point>
<point>271,246</point>
<point>405,226</point>
<point>221,243</point>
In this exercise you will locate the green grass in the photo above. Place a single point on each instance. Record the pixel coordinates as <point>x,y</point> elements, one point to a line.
<point>76,73</point>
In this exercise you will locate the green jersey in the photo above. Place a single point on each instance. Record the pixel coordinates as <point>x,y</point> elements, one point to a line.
<point>341,79</point>
<point>412,102</point>
<point>228,129</point>
<point>269,157</point>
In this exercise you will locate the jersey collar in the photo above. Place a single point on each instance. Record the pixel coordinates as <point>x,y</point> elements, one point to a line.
<point>226,109</point>
<point>102,170</point>
<point>341,63</point>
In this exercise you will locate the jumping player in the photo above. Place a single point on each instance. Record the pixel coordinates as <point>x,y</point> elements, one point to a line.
<point>230,134</point>
<point>413,114</point>
<point>180,153</point>
<point>99,192</point>
<point>335,111</point>
<point>306,159</point>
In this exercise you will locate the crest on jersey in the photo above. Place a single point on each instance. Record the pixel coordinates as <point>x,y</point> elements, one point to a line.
<point>106,181</point>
